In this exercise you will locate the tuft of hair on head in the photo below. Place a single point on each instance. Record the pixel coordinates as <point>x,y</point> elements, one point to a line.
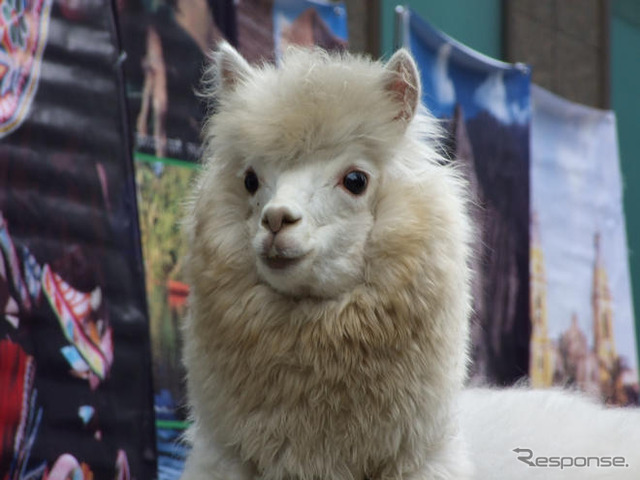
<point>227,69</point>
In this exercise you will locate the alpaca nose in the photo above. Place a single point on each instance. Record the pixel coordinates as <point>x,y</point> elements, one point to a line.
<point>277,217</point>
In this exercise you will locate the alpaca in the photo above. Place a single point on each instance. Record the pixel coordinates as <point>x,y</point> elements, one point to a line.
<point>328,326</point>
<point>327,337</point>
<point>519,433</point>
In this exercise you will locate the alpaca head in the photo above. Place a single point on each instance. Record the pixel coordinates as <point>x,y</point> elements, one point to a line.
<point>303,155</point>
<point>308,224</point>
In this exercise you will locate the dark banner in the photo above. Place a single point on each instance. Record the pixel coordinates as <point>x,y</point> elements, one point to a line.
<point>75,383</point>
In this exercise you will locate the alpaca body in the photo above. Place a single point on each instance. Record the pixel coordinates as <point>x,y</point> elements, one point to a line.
<point>328,325</point>
<point>559,435</point>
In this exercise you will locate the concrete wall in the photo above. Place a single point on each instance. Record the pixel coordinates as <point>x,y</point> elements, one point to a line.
<point>567,44</point>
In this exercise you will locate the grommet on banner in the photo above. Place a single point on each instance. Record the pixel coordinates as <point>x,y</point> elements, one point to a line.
<point>121,59</point>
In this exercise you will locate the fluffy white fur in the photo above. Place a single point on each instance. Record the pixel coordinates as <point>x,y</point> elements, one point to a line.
<point>344,364</point>
<point>327,335</point>
<point>563,426</point>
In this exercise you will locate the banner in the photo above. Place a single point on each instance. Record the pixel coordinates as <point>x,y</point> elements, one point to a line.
<point>163,187</point>
<point>485,105</point>
<point>167,46</point>
<point>582,312</point>
<point>75,379</point>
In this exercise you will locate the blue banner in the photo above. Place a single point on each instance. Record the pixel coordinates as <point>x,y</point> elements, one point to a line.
<point>484,104</point>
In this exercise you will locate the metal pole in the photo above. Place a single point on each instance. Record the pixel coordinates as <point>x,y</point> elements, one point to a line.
<point>399,30</point>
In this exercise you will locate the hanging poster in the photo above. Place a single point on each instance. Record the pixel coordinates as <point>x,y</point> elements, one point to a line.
<point>167,45</point>
<point>582,313</point>
<point>75,377</point>
<point>485,105</point>
<point>163,187</point>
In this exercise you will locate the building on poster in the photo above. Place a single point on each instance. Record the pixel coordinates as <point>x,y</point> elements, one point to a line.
<point>572,360</point>
<point>541,351</point>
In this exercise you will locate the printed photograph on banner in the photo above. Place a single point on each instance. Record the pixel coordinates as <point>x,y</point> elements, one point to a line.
<point>162,191</point>
<point>485,106</point>
<point>582,312</point>
<point>163,187</point>
<point>167,44</point>
<point>307,23</point>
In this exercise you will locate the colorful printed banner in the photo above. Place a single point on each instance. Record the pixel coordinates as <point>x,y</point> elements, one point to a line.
<point>167,45</point>
<point>23,37</point>
<point>485,104</point>
<point>582,312</point>
<point>75,376</point>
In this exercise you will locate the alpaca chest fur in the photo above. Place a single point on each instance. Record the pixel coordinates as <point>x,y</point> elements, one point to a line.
<point>297,392</point>
<point>328,243</point>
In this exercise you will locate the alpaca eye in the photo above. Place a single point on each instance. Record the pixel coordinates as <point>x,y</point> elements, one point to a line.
<point>355,181</point>
<point>251,182</point>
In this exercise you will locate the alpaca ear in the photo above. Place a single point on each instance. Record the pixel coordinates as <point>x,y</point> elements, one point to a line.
<point>230,68</point>
<point>404,84</point>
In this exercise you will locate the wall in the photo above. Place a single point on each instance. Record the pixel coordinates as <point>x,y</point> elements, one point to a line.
<point>477,23</point>
<point>625,101</point>
<point>567,44</point>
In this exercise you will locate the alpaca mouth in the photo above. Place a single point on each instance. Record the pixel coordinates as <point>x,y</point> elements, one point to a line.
<point>278,262</point>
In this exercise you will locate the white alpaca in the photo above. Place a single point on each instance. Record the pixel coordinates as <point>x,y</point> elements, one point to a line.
<point>558,435</point>
<point>327,337</point>
<point>328,327</point>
